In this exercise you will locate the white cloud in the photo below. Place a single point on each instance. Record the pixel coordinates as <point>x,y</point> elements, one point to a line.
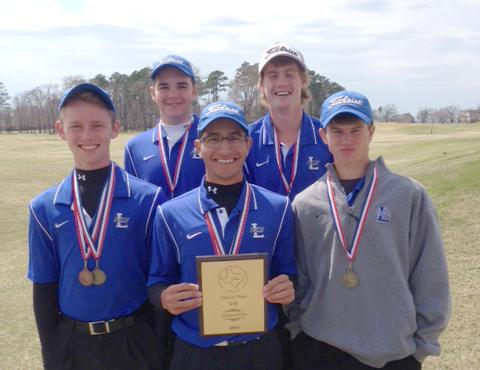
<point>389,49</point>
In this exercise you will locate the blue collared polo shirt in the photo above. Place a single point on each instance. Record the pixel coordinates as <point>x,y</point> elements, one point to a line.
<point>142,159</point>
<point>55,255</point>
<point>180,234</point>
<point>261,164</point>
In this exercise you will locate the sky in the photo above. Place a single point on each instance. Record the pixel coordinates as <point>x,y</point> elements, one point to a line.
<point>411,53</point>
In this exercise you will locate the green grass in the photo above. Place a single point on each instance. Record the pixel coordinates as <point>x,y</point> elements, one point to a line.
<point>447,162</point>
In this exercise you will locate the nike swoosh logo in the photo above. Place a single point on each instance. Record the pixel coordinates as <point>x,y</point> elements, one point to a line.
<point>191,236</point>
<point>60,224</point>
<point>262,163</point>
<point>146,158</point>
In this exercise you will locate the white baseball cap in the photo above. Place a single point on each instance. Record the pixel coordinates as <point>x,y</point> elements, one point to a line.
<point>280,49</point>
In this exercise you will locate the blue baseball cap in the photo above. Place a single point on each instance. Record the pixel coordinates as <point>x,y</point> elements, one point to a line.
<point>346,102</point>
<point>218,110</point>
<point>87,87</point>
<point>173,61</point>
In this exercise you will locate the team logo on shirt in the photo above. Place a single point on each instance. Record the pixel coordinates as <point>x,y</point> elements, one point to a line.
<point>383,214</point>
<point>121,222</point>
<point>257,231</point>
<point>81,177</point>
<point>195,154</point>
<point>313,164</point>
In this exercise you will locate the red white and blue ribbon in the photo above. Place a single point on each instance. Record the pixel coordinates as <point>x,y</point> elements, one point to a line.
<point>172,182</point>
<point>88,242</point>
<point>214,235</point>
<point>287,184</point>
<point>352,251</point>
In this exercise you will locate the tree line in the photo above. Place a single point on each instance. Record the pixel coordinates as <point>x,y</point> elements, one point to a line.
<point>448,114</point>
<point>36,110</point>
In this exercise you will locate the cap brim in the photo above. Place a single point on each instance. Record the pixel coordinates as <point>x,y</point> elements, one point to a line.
<point>214,118</point>
<point>87,87</point>
<point>367,120</point>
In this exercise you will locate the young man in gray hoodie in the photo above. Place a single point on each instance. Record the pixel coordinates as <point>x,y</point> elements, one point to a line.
<point>372,290</point>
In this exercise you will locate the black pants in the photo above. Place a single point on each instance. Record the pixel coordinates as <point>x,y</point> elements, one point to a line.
<point>284,337</point>
<point>135,347</point>
<point>311,354</point>
<point>262,354</point>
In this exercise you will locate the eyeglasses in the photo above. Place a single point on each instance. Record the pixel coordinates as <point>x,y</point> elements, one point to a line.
<point>215,141</point>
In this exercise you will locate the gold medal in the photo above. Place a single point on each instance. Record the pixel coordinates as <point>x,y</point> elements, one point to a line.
<point>85,277</point>
<point>99,277</point>
<point>86,241</point>
<point>350,279</point>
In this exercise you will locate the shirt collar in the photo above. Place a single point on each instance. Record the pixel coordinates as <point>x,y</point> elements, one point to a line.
<point>192,134</point>
<point>308,136</point>
<point>206,203</point>
<point>381,167</point>
<point>122,187</point>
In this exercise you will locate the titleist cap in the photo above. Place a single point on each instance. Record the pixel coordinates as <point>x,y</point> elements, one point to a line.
<point>346,102</point>
<point>280,49</point>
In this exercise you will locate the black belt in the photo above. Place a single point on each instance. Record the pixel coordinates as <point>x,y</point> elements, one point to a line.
<point>105,326</point>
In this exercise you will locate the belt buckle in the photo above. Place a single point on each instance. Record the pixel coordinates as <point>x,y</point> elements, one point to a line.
<point>99,327</point>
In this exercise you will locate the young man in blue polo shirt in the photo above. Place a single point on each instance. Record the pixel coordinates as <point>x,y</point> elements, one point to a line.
<point>372,291</point>
<point>89,249</point>
<point>165,155</point>
<point>287,154</point>
<point>224,215</point>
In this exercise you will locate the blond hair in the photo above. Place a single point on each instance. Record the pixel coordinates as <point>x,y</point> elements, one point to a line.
<point>282,61</point>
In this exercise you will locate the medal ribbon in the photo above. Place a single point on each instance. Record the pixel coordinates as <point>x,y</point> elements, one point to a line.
<point>163,158</point>
<point>214,235</point>
<point>278,153</point>
<point>86,241</point>
<point>363,218</point>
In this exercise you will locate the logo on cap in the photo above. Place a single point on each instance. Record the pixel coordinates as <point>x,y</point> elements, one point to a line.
<point>222,108</point>
<point>281,48</point>
<point>344,100</point>
<point>172,59</point>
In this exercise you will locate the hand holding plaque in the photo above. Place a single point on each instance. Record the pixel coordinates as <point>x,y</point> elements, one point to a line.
<point>232,290</point>
<point>179,298</point>
<point>279,290</point>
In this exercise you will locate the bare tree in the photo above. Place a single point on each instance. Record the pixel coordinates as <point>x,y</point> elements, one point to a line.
<point>387,112</point>
<point>453,113</point>
<point>37,109</point>
<point>201,90</point>
<point>5,109</point>
<point>70,81</point>
<point>440,116</point>
<point>424,115</point>
<point>243,90</point>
